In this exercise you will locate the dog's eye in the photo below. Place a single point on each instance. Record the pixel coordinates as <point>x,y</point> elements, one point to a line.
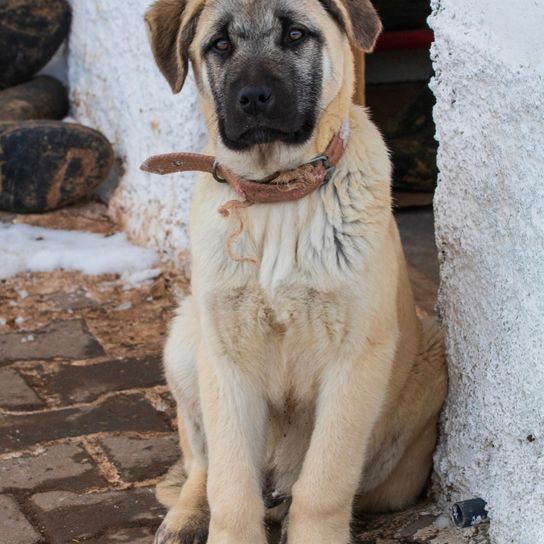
<point>222,45</point>
<point>295,34</point>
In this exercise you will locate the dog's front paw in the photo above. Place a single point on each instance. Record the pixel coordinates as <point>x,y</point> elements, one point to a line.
<point>175,530</point>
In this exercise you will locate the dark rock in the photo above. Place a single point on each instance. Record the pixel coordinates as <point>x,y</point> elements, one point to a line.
<point>41,98</point>
<point>414,145</point>
<point>31,31</point>
<point>404,113</point>
<point>49,164</point>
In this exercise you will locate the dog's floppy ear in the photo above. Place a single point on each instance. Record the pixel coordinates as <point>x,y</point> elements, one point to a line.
<point>171,30</point>
<point>358,18</point>
<point>365,23</point>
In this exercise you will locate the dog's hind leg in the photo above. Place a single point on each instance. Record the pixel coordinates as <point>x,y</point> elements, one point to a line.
<point>169,488</point>
<point>399,469</point>
<point>405,483</point>
<point>184,489</point>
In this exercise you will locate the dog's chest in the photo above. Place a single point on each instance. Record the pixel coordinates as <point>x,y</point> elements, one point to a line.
<point>283,339</point>
<point>248,315</point>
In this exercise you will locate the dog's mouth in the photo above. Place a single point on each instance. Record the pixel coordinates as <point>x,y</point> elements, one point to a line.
<point>262,135</point>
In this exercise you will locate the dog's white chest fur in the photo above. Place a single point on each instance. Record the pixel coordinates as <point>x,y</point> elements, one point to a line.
<point>310,255</point>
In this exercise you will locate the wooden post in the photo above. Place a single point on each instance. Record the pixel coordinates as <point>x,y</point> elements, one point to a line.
<point>359,59</point>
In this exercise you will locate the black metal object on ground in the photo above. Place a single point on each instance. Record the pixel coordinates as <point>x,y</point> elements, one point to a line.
<point>469,513</point>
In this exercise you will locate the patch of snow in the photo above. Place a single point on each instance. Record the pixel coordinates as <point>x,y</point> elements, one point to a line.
<point>2,321</point>
<point>20,320</point>
<point>123,307</point>
<point>442,522</point>
<point>24,248</point>
<point>23,293</point>
<point>29,338</point>
<point>141,276</point>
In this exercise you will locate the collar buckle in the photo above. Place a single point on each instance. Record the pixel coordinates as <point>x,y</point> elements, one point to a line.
<point>215,174</point>
<point>330,169</point>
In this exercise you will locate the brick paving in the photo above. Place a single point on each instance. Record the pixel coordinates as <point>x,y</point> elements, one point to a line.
<point>87,425</point>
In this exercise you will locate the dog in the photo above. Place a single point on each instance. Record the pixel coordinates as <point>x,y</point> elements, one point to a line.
<point>307,386</point>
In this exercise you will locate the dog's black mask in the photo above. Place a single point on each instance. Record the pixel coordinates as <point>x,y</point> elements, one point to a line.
<point>266,80</point>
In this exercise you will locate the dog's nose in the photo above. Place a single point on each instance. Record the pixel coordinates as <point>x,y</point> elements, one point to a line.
<point>255,100</point>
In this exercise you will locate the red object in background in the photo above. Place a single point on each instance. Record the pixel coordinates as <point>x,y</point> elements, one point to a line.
<point>405,39</point>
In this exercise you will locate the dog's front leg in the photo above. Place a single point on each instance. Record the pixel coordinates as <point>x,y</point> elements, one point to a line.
<point>234,417</point>
<point>349,403</point>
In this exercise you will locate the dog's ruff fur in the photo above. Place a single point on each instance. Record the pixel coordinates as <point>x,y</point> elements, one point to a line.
<point>308,376</point>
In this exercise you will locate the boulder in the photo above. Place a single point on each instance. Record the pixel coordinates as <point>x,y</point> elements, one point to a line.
<point>31,31</point>
<point>45,165</point>
<point>41,98</point>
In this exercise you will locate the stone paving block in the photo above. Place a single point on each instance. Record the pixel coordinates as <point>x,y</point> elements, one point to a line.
<point>141,458</point>
<point>14,527</point>
<point>424,522</point>
<point>77,300</point>
<point>136,535</point>
<point>15,393</point>
<point>65,339</point>
<point>130,413</point>
<point>68,517</point>
<point>62,466</point>
<point>74,383</point>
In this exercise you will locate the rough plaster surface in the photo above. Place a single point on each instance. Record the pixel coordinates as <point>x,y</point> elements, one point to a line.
<point>116,88</point>
<point>490,231</point>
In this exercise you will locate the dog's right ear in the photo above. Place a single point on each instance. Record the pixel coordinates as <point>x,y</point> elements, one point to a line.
<point>171,30</point>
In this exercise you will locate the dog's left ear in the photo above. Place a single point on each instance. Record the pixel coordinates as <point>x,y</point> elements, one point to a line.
<point>365,22</point>
<point>171,26</point>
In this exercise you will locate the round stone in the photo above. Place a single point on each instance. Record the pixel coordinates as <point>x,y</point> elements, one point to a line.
<point>40,98</point>
<point>45,165</point>
<point>31,31</point>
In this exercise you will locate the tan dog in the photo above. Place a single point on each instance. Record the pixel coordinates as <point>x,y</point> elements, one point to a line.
<point>304,379</point>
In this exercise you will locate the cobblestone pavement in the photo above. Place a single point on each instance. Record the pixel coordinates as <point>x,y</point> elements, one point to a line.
<point>87,426</point>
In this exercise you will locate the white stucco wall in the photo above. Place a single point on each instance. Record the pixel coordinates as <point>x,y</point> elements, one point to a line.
<point>116,88</point>
<point>489,60</point>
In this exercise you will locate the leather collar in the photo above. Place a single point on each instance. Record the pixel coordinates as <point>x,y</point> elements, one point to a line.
<point>281,187</point>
